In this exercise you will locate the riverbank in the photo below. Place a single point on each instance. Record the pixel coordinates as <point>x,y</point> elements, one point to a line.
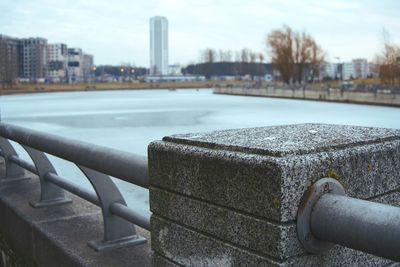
<point>37,88</point>
<point>332,94</point>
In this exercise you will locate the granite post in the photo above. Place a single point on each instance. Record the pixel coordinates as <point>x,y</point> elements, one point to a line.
<point>230,198</point>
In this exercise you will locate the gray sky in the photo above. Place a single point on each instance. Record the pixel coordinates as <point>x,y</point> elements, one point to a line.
<point>118,31</point>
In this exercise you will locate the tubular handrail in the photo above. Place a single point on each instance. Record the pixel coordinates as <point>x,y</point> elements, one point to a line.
<point>358,224</point>
<point>61,182</point>
<point>71,187</point>
<point>117,208</point>
<point>327,216</point>
<point>96,163</point>
<point>126,166</point>
<point>130,215</point>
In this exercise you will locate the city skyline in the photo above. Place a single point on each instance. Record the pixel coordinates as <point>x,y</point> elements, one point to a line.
<point>119,33</point>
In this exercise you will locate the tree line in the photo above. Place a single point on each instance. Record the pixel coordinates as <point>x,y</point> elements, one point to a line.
<point>226,62</point>
<point>294,55</point>
<point>120,70</point>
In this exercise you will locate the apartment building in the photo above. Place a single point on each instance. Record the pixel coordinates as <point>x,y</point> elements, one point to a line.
<point>87,67</point>
<point>32,58</point>
<point>8,59</point>
<point>57,56</point>
<point>75,61</point>
<point>361,68</point>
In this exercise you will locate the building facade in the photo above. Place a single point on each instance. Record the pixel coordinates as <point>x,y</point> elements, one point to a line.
<point>175,70</point>
<point>57,55</point>
<point>361,68</point>
<point>348,71</point>
<point>331,70</point>
<point>8,59</point>
<point>75,65</point>
<point>87,67</point>
<point>32,58</point>
<point>158,46</point>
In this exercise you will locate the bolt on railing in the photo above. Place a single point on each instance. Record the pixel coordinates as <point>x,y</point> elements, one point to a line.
<point>326,216</point>
<point>96,163</point>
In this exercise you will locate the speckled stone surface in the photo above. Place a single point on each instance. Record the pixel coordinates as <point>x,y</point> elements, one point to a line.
<point>242,187</point>
<point>288,139</point>
<point>254,233</point>
<point>191,248</point>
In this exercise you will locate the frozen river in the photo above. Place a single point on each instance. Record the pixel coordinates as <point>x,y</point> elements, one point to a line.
<point>129,120</point>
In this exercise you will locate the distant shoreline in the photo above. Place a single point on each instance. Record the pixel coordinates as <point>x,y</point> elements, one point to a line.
<point>48,88</point>
<point>330,95</point>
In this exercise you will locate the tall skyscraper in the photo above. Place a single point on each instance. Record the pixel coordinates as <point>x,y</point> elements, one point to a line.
<point>158,46</point>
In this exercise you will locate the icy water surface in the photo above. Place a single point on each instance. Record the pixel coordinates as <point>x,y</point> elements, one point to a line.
<point>129,120</point>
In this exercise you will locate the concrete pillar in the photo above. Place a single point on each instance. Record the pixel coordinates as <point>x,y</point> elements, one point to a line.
<point>230,198</point>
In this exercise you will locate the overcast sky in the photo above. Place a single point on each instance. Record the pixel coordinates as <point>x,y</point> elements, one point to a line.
<point>118,31</point>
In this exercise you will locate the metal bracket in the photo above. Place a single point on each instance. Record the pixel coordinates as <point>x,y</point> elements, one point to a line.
<point>117,231</point>
<point>51,194</point>
<point>310,197</point>
<point>13,172</point>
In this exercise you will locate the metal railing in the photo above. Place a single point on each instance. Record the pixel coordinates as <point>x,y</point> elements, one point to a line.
<point>97,163</point>
<point>327,216</point>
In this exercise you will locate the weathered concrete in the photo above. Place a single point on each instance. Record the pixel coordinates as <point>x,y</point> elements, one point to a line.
<point>230,197</point>
<point>334,95</point>
<point>58,236</point>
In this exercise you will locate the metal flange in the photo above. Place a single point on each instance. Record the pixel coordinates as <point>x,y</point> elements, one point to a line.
<point>310,197</point>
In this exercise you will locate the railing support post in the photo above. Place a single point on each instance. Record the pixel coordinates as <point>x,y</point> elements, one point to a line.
<point>13,172</point>
<point>117,231</point>
<point>50,194</point>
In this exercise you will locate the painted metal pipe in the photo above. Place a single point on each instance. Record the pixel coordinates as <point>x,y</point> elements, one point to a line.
<point>130,215</point>
<point>122,165</point>
<point>358,224</point>
<point>61,182</point>
<point>24,164</point>
<point>73,188</point>
<point>116,208</point>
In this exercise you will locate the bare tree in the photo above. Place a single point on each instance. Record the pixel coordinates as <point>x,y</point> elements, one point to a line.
<point>237,56</point>
<point>253,57</point>
<point>209,55</point>
<point>301,54</point>
<point>280,43</point>
<point>245,55</point>
<point>224,55</point>
<point>261,57</point>
<point>221,55</point>
<point>291,52</point>
<point>260,67</point>
<point>317,60</point>
<point>228,55</point>
<point>388,61</point>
